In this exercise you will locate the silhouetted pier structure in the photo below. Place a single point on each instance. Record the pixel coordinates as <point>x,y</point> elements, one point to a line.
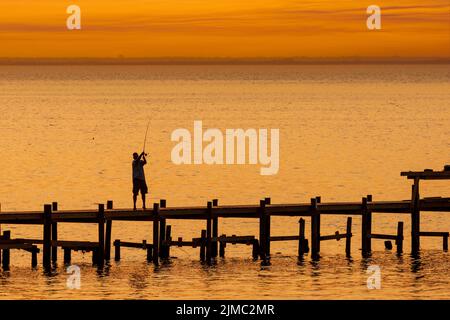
<point>210,243</point>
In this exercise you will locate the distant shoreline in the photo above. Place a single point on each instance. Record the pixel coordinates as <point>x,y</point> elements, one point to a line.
<point>219,61</point>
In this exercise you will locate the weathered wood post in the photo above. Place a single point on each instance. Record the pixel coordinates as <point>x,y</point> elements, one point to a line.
<point>34,252</point>
<point>208,231</point>
<point>202,245</point>
<point>162,203</point>
<point>222,249</point>
<point>301,238</point>
<point>149,253</point>
<point>262,230</point>
<point>100,254</point>
<point>95,258</point>
<point>267,201</point>
<point>155,233</point>
<point>168,241</point>
<point>162,237</point>
<point>415,217</point>
<point>255,249</point>
<point>67,255</point>
<point>348,237</point>
<point>109,206</point>
<point>117,250</point>
<point>318,200</point>
<point>315,229</point>
<point>47,237</point>
<point>399,241</point>
<point>215,230</point>
<point>54,235</point>
<point>6,252</point>
<point>366,227</point>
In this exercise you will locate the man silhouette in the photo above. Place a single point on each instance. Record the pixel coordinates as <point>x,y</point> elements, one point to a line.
<point>139,183</point>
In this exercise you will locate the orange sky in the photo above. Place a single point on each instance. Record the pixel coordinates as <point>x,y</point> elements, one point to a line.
<point>225,28</point>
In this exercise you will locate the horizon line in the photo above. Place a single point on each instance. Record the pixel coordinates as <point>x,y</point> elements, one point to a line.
<point>218,60</point>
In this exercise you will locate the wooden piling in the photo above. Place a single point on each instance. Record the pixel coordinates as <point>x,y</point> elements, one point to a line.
<point>399,241</point>
<point>54,234</point>
<point>348,238</point>
<point>369,224</point>
<point>155,233</point>
<point>215,234</point>
<point>47,237</point>
<point>262,230</point>
<point>301,238</point>
<point>149,253</point>
<point>366,227</point>
<point>215,230</point>
<point>267,235</point>
<point>108,240</point>
<point>67,255</point>
<point>162,237</point>
<point>162,203</point>
<point>222,246</point>
<point>168,242</point>
<point>415,218</point>
<point>6,252</point>
<point>34,253</point>
<point>117,250</point>
<point>101,235</point>
<point>267,201</point>
<point>255,249</point>
<point>445,243</point>
<point>95,257</point>
<point>208,231</point>
<point>315,229</point>
<point>109,206</point>
<point>202,245</point>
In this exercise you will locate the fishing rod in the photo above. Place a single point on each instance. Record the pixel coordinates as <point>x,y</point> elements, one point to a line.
<point>145,139</point>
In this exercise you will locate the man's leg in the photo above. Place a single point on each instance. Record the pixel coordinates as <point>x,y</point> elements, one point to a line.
<point>143,200</point>
<point>134,201</point>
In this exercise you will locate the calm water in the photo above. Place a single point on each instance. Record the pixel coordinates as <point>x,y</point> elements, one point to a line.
<point>67,135</point>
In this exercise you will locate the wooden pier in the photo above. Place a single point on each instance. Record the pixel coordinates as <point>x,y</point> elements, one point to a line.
<point>210,243</point>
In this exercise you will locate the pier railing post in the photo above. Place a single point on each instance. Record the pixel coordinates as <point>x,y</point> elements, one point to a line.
<point>415,218</point>
<point>315,229</point>
<point>54,235</point>
<point>156,233</point>
<point>47,236</point>
<point>100,254</point>
<point>109,206</point>
<point>208,231</point>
